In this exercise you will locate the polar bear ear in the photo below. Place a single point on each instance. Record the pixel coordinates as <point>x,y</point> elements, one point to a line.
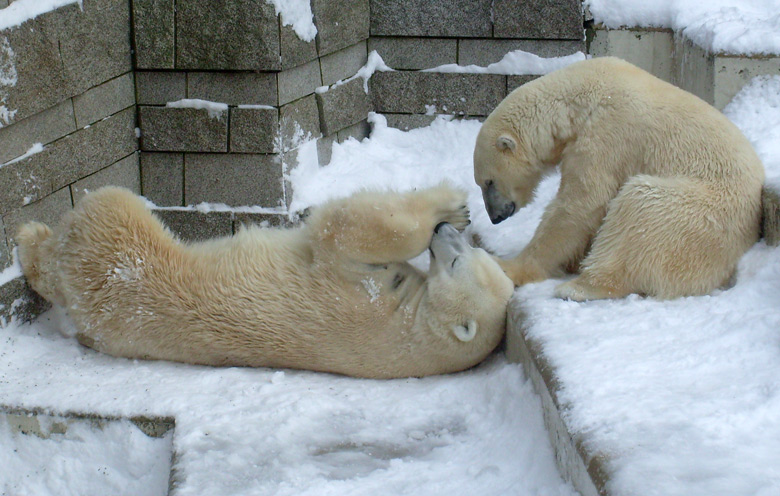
<point>506,142</point>
<point>466,332</point>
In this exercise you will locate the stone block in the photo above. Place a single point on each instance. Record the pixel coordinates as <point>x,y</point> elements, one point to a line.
<point>770,224</point>
<point>419,92</point>
<point>514,82</point>
<point>254,130</point>
<point>246,219</point>
<point>31,60</point>
<point>48,210</point>
<point>236,35</point>
<point>233,179</point>
<point>191,225</point>
<point>405,122</point>
<point>650,50</point>
<point>415,53</point>
<point>295,51</point>
<point>340,24</point>
<point>486,52</point>
<point>154,30</point>
<point>162,178</point>
<point>454,19</point>
<point>299,122</point>
<point>104,100</point>
<point>123,173</point>
<point>159,88</point>
<point>44,127</point>
<point>731,73</point>
<point>17,300</point>
<point>545,19</point>
<point>343,64</point>
<point>165,129</point>
<point>233,88</point>
<point>95,44</point>
<point>298,82</point>
<point>5,251</point>
<point>358,131</point>
<point>692,69</point>
<point>342,106</point>
<point>68,159</point>
<point>325,149</point>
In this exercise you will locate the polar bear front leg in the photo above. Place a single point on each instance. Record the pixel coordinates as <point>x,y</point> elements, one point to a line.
<point>386,227</point>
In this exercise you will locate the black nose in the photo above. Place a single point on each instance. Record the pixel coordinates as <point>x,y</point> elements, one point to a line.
<point>438,226</point>
<point>504,214</point>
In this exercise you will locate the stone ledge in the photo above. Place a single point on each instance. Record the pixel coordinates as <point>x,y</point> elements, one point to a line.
<point>585,470</point>
<point>770,223</point>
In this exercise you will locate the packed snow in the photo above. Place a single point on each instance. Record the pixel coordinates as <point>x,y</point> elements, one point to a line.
<point>749,27</point>
<point>214,109</point>
<point>20,11</point>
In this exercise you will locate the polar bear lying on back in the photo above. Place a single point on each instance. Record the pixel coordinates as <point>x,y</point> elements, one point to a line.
<point>660,193</point>
<point>333,295</point>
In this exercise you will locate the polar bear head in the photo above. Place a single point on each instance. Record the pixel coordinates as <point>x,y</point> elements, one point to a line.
<point>467,291</point>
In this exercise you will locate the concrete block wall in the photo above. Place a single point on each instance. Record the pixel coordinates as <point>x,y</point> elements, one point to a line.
<point>66,91</point>
<point>412,35</point>
<point>240,54</point>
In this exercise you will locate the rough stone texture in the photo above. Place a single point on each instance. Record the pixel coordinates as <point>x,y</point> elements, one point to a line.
<point>770,225</point>
<point>456,18</point>
<point>340,24</point>
<point>486,52</point>
<point>254,130</point>
<point>67,160</point>
<point>235,35</point>
<point>295,51</point>
<point>191,225</point>
<point>409,92</point>
<point>415,53</point>
<point>357,131</point>
<point>514,82</point>
<point>162,178</point>
<point>166,129</point>
<point>95,44</point>
<point>124,173</point>
<point>692,69</point>
<point>299,122</point>
<point>21,302</point>
<point>731,73</point>
<point>650,50</point>
<point>343,64</point>
<point>325,149</point>
<point>233,88</point>
<point>234,179</point>
<point>406,122</point>
<point>298,82</point>
<point>546,19</point>
<point>44,127</point>
<point>104,100</point>
<point>159,88</point>
<point>48,210</point>
<point>343,106</point>
<point>241,219</point>
<point>5,252</point>
<point>153,23</point>
<point>41,81</point>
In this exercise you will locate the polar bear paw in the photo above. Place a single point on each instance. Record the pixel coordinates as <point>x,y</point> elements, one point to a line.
<point>580,290</point>
<point>452,206</point>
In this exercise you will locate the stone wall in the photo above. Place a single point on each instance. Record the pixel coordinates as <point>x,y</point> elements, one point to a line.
<point>66,83</point>
<point>203,101</point>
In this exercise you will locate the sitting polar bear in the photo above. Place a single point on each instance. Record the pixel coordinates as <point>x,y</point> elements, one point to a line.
<point>333,295</point>
<point>663,189</point>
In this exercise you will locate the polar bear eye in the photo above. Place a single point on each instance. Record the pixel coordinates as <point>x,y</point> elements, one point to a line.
<point>488,183</point>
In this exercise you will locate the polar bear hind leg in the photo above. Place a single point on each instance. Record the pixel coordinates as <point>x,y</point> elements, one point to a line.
<point>662,236</point>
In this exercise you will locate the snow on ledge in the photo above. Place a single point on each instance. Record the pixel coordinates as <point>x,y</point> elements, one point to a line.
<point>516,63</point>
<point>35,148</point>
<point>214,109</point>
<point>373,64</point>
<point>24,10</point>
<point>296,13</point>
<point>13,271</point>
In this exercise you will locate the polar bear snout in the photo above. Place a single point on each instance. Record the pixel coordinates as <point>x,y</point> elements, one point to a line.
<point>499,208</point>
<point>447,244</point>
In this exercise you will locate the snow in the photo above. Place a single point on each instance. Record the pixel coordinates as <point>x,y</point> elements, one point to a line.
<point>749,27</point>
<point>296,13</point>
<point>35,148</point>
<point>516,63</point>
<point>215,109</point>
<point>23,10</point>
<point>116,458</point>
<point>373,64</point>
